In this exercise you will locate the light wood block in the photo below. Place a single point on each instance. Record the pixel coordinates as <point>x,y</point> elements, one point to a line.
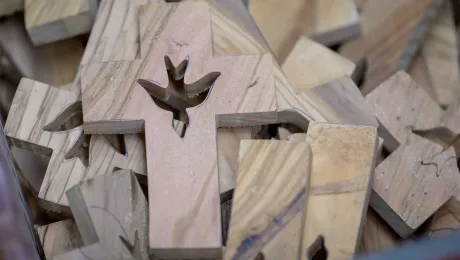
<point>106,209</point>
<point>318,69</point>
<point>59,237</point>
<point>419,176</point>
<point>234,87</point>
<point>393,32</point>
<point>441,57</point>
<point>8,7</point>
<point>340,186</point>
<point>271,185</point>
<point>47,121</point>
<point>53,20</point>
<point>326,21</point>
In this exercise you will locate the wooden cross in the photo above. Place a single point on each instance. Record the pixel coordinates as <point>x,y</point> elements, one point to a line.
<point>47,120</point>
<point>419,176</point>
<point>182,172</point>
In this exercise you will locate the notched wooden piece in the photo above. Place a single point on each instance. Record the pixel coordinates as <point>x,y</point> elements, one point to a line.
<point>45,119</point>
<point>271,184</point>
<point>418,177</point>
<point>340,186</point>
<point>114,102</point>
<point>106,208</point>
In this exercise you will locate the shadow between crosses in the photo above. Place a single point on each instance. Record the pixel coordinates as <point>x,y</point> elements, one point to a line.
<point>71,118</point>
<point>178,96</point>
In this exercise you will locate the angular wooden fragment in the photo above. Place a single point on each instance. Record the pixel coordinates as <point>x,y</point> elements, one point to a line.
<point>59,237</point>
<point>106,209</point>
<point>55,64</point>
<point>393,33</point>
<point>318,70</point>
<point>53,20</point>
<point>47,120</point>
<point>237,97</point>
<point>271,184</point>
<point>340,186</point>
<point>326,21</point>
<point>441,57</point>
<point>418,177</point>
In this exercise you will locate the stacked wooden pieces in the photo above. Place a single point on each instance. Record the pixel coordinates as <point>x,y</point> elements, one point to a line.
<point>285,229</point>
<point>53,20</point>
<point>326,21</point>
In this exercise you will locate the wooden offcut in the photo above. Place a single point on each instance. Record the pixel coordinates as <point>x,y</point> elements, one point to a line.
<point>59,237</point>
<point>53,20</point>
<point>393,32</point>
<point>271,185</point>
<point>340,186</point>
<point>439,50</point>
<point>107,210</point>
<point>418,177</point>
<point>326,21</point>
<point>237,98</point>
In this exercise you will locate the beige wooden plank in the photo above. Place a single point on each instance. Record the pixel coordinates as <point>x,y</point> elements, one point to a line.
<point>271,184</point>
<point>419,176</point>
<point>318,69</point>
<point>47,120</point>
<point>137,106</point>
<point>441,57</point>
<point>59,237</point>
<point>393,32</point>
<point>326,21</point>
<point>8,7</point>
<point>331,21</point>
<point>106,209</point>
<point>339,201</point>
<point>53,20</point>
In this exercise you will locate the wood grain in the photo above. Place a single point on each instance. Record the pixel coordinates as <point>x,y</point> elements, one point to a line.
<point>240,108</point>
<point>35,107</point>
<point>53,20</point>
<point>318,69</point>
<point>418,177</point>
<point>59,237</point>
<point>393,32</point>
<point>106,208</point>
<point>326,21</point>
<point>441,57</point>
<point>339,201</point>
<point>271,184</point>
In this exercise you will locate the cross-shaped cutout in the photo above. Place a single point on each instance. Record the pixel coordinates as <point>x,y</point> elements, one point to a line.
<point>182,172</point>
<point>419,176</point>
